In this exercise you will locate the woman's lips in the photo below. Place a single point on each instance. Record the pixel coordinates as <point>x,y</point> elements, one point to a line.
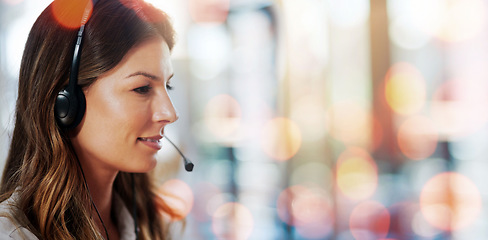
<point>153,142</point>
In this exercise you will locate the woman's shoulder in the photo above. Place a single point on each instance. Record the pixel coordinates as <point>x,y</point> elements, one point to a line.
<point>9,227</point>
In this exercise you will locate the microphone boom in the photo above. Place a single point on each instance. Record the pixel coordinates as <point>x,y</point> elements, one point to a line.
<point>188,164</point>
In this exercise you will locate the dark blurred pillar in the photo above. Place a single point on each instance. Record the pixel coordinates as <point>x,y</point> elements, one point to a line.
<point>380,63</point>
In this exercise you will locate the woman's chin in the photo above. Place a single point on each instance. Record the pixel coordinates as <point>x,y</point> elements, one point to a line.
<point>143,166</point>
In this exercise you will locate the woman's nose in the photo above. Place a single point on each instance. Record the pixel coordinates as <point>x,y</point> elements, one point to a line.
<point>164,110</point>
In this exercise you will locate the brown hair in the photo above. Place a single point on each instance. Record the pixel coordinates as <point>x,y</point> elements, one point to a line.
<point>41,165</point>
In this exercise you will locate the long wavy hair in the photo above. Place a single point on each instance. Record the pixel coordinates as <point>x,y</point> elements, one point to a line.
<point>53,202</point>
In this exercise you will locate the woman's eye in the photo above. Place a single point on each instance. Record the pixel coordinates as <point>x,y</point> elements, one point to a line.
<point>142,90</point>
<point>169,87</point>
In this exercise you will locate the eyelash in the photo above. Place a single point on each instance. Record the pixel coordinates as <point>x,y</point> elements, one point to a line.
<point>143,89</point>
<point>146,89</point>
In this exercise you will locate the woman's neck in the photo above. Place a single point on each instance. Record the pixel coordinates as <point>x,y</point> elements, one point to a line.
<point>100,184</point>
<point>101,193</point>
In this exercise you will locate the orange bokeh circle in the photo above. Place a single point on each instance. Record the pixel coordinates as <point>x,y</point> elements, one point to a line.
<point>179,196</point>
<point>450,201</point>
<point>281,138</point>
<point>356,174</point>
<point>72,14</point>
<point>417,137</point>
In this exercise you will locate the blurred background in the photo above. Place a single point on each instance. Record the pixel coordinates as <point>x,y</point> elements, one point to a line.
<point>316,119</point>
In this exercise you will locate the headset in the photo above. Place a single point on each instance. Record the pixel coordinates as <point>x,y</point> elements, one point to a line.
<point>70,106</point>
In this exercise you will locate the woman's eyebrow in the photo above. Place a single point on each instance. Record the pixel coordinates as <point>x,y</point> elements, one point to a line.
<point>148,75</point>
<point>145,74</point>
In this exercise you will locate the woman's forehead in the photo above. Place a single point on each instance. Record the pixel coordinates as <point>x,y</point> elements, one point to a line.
<point>152,56</point>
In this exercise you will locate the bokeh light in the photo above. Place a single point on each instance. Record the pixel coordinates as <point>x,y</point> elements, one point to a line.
<point>458,107</point>
<point>281,138</point>
<point>451,20</point>
<point>314,211</point>
<point>232,221</point>
<point>405,89</point>
<point>209,11</point>
<point>284,203</point>
<point>357,174</point>
<point>417,137</point>
<point>306,208</point>
<point>223,116</point>
<point>369,220</point>
<point>350,123</point>
<point>70,13</point>
<point>178,195</point>
<point>450,201</point>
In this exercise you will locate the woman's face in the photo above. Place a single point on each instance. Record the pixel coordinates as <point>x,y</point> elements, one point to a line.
<point>126,109</point>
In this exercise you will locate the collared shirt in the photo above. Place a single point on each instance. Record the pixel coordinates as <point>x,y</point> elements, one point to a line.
<point>10,229</point>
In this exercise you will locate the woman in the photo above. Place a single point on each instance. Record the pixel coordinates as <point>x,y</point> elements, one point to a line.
<point>90,180</point>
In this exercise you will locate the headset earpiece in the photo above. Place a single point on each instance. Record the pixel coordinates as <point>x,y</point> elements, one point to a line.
<point>70,107</point>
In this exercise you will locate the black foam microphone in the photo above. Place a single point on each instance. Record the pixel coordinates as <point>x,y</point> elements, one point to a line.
<point>188,164</point>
